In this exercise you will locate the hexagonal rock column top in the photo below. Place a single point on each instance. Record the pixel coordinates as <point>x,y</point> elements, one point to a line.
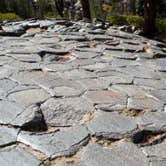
<point>110,97</point>
<point>157,151</point>
<point>66,112</point>
<point>145,102</point>
<point>111,125</point>
<point>9,111</point>
<point>28,96</point>
<point>154,121</point>
<point>16,156</point>
<point>62,143</point>
<point>7,135</point>
<point>121,154</point>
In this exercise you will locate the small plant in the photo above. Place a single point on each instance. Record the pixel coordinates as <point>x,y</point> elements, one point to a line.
<point>135,21</point>
<point>161,25</point>
<point>9,16</point>
<point>51,15</point>
<point>117,19</point>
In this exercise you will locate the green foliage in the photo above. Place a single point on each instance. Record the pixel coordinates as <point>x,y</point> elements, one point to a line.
<point>117,19</point>
<point>51,15</point>
<point>9,16</point>
<point>161,25</point>
<point>131,20</point>
<point>135,21</point>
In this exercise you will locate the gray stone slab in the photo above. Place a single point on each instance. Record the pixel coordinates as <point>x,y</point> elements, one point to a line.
<point>28,96</point>
<point>26,57</point>
<point>123,63</point>
<point>68,164</point>
<point>119,79</point>
<point>60,87</point>
<point>16,156</point>
<point>73,37</point>
<point>5,72</point>
<point>7,136</point>
<point>155,121</point>
<point>145,103</point>
<point>5,86</point>
<point>111,125</point>
<point>110,97</point>
<point>156,151</point>
<point>57,67</point>
<point>9,111</point>
<point>85,55</point>
<point>4,59</point>
<point>140,72</point>
<point>150,84</point>
<point>158,162</point>
<point>66,112</point>
<point>94,84</point>
<point>77,74</point>
<point>96,66</point>
<point>120,54</point>
<point>18,65</point>
<point>120,154</point>
<point>159,94</point>
<point>62,143</point>
<point>29,77</point>
<point>130,90</point>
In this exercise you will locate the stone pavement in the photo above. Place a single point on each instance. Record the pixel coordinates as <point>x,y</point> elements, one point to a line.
<point>73,94</point>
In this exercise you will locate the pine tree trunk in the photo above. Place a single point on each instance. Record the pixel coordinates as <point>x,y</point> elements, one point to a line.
<point>86,9</point>
<point>150,17</point>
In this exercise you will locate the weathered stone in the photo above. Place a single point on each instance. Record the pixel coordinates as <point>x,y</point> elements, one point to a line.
<point>156,151</point>
<point>140,72</point>
<point>155,121</point>
<point>63,143</point>
<point>8,136</point>
<point>5,73</point>
<point>130,90</point>
<point>60,87</point>
<point>121,154</point>
<point>156,162</point>
<point>16,156</point>
<point>145,103</point>
<point>96,66</point>
<point>111,125</point>
<point>66,112</point>
<point>120,79</point>
<point>56,67</point>
<point>120,54</point>
<point>77,74</point>
<point>62,74</point>
<point>35,122</point>
<point>159,94</point>
<point>9,111</point>
<point>71,37</point>
<point>85,55</point>
<point>123,63</point>
<point>110,97</point>
<point>150,84</point>
<point>28,96</point>
<point>94,84</point>
<point>30,77</point>
<point>18,65</point>
<point>5,86</point>
<point>25,56</point>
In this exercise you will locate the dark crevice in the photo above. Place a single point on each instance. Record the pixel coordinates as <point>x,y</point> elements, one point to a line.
<point>101,140</point>
<point>132,112</point>
<point>8,144</point>
<point>37,124</point>
<point>147,137</point>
